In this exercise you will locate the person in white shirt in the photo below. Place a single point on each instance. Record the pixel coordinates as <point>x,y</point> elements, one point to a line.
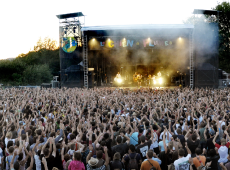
<point>223,148</point>
<point>8,138</point>
<point>159,74</point>
<point>182,163</point>
<point>167,135</point>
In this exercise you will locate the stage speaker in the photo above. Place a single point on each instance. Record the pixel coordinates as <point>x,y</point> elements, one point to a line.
<point>90,79</point>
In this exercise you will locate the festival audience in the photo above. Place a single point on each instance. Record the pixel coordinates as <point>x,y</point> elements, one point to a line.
<point>114,129</point>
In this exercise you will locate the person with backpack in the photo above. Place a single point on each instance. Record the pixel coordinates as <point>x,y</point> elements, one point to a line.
<point>133,159</point>
<point>149,163</point>
<point>121,147</point>
<point>116,164</point>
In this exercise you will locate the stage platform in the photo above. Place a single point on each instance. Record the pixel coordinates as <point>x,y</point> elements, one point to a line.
<point>136,88</point>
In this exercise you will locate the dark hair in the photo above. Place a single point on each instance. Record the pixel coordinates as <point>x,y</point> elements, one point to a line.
<point>193,136</point>
<point>181,152</point>
<point>11,149</point>
<point>106,135</point>
<point>174,156</point>
<point>12,128</point>
<point>119,139</point>
<point>72,136</point>
<point>46,151</point>
<point>67,157</point>
<point>150,153</point>
<point>16,166</point>
<point>9,144</point>
<point>77,156</point>
<point>212,152</point>
<point>155,127</point>
<point>17,143</point>
<point>179,131</point>
<point>174,137</point>
<point>99,154</point>
<point>52,134</point>
<point>23,136</point>
<point>198,151</point>
<point>39,132</point>
<point>142,138</point>
<point>20,156</point>
<point>132,148</point>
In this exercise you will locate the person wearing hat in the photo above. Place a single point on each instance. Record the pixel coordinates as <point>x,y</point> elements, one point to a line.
<point>92,162</point>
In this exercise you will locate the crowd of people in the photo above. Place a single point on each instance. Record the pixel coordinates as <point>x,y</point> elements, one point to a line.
<point>114,129</point>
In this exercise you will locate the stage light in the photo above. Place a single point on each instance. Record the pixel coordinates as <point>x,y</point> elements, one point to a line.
<point>93,39</point>
<point>160,80</point>
<point>119,80</point>
<point>109,39</point>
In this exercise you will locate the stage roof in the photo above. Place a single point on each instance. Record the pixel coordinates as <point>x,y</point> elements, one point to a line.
<point>206,12</point>
<point>70,15</point>
<point>136,27</point>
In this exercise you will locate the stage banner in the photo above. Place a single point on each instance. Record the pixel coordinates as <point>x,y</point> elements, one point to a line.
<point>134,43</point>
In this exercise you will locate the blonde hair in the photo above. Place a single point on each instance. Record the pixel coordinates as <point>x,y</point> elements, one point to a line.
<point>54,168</point>
<point>9,135</point>
<point>170,145</point>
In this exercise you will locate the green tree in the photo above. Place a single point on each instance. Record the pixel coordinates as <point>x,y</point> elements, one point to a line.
<point>195,19</point>
<point>47,43</point>
<point>37,74</point>
<point>33,68</point>
<point>224,33</point>
<point>223,20</point>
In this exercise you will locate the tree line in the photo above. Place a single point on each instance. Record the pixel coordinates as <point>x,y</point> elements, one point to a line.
<point>34,68</point>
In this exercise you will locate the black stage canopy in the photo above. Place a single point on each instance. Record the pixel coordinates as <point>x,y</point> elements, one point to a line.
<point>206,12</point>
<point>70,15</point>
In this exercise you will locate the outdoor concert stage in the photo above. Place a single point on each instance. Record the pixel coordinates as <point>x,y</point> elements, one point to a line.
<point>95,54</point>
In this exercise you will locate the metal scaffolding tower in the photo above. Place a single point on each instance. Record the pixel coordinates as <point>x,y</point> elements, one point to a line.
<point>191,37</point>
<point>85,61</point>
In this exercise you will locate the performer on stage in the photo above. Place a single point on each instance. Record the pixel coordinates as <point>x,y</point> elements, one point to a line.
<point>135,77</point>
<point>139,77</point>
<point>149,80</point>
<point>154,79</point>
<point>159,74</point>
<point>118,75</point>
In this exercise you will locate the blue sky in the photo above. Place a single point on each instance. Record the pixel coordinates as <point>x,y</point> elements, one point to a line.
<point>24,21</point>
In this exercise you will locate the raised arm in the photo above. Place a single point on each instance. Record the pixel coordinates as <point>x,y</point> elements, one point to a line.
<point>197,134</point>
<point>186,136</point>
<point>54,147</point>
<point>32,162</point>
<point>62,150</point>
<point>12,162</point>
<point>205,136</point>
<point>44,163</point>
<point>165,147</point>
<point>214,139</point>
<point>106,156</point>
<point>90,153</point>
<point>44,146</point>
